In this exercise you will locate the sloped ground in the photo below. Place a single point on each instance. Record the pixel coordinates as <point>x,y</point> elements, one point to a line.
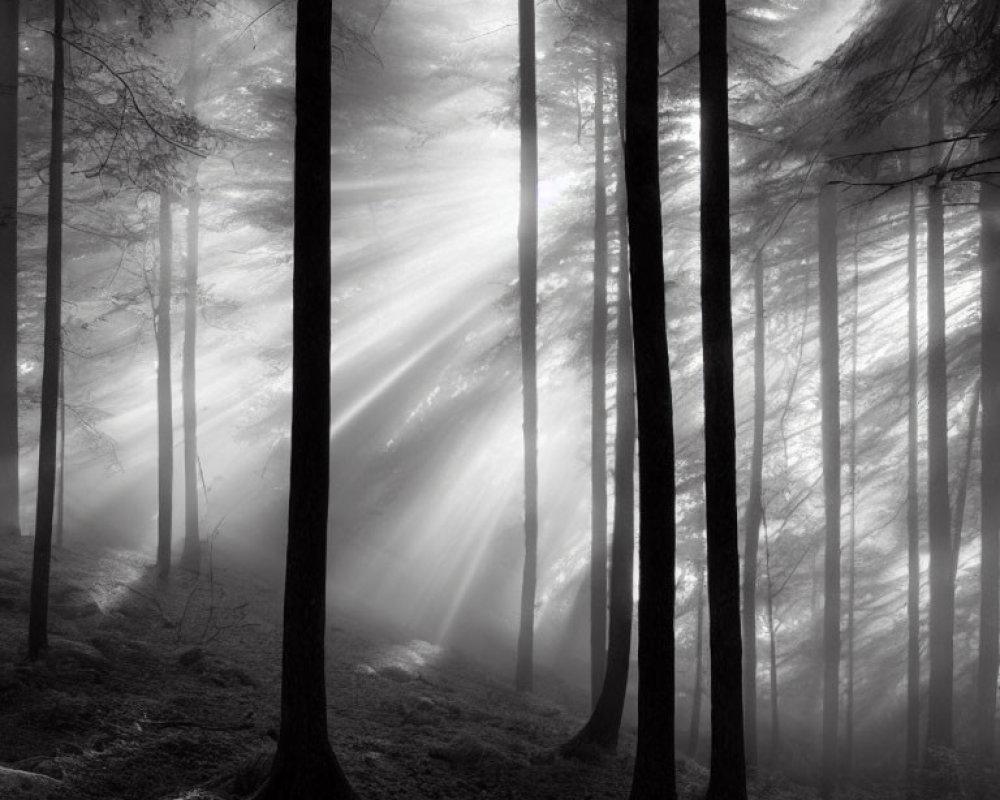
<point>152,692</point>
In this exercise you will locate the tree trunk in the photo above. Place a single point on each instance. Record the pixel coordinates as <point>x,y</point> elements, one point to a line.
<point>773,647</point>
<point>605,722</point>
<point>942,587</point>
<point>852,482</point>
<point>39,610</point>
<point>164,396</point>
<point>753,515</point>
<point>191,560</point>
<point>958,518</point>
<point>598,429</point>
<point>694,732</point>
<point>654,774</point>
<point>61,495</point>
<point>727,779</point>
<point>304,764</point>
<point>9,484</point>
<point>830,393</point>
<point>912,513</point>
<point>527,246</point>
<point>989,575</point>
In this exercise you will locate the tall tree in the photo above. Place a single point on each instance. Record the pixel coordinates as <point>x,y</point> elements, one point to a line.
<point>753,515</point>
<point>61,492</point>
<point>527,250</point>
<point>727,779</point>
<point>39,601</point>
<point>830,394</point>
<point>598,409</point>
<point>164,395</point>
<point>654,775</point>
<point>9,49</point>
<point>694,730</point>
<point>989,570</point>
<point>912,509</point>
<point>304,764</point>
<point>191,558</point>
<point>942,585</point>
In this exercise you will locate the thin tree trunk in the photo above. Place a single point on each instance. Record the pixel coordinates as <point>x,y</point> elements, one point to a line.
<point>958,518</point>
<point>773,647</point>
<point>605,722</point>
<point>61,496</point>
<point>598,430</point>
<point>191,560</point>
<point>989,576</point>
<point>942,587</point>
<point>164,397</point>
<point>912,514</point>
<point>654,774</point>
<point>694,732</point>
<point>527,245</point>
<point>852,482</point>
<point>39,603</point>
<point>830,393</point>
<point>727,779</point>
<point>304,764</point>
<point>9,483</point>
<point>753,514</point>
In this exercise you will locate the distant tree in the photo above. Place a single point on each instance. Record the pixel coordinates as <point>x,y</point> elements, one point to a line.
<point>527,248</point>
<point>727,779</point>
<point>191,559</point>
<point>304,765</point>
<point>9,50</point>
<point>912,507</point>
<point>654,775</point>
<point>39,600</point>
<point>830,402</point>
<point>694,730</point>
<point>598,409</point>
<point>164,393</point>
<point>61,492</point>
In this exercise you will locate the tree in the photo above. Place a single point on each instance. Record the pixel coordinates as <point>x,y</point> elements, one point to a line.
<point>694,731</point>
<point>164,395</point>
<point>9,49</point>
<point>39,601</point>
<point>598,410</point>
<point>191,558</point>
<point>654,775</point>
<point>727,779</point>
<point>304,764</point>
<point>912,508</point>
<point>830,393</point>
<point>527,249</point>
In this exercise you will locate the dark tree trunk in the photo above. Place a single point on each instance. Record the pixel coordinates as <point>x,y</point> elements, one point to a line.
<point>39,612</point>
<point>942,587</point>
<point>527,247</point>
<point>753,515</point>
<point>694,731</point>
<point>958,518</point>
<point>598,410</point>
<point>654,775</point>
<point>191,559</point>
<point>61,493</point>
<point>605,722</point>
<point>164,396</point>
<point>830,394</point>
<point>9,487</point>
<point>727,779</point>
<point>304,765</point>
<point>912,513</point>
<point>989,576</point>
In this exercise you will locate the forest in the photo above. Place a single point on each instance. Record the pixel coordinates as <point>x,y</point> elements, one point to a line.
<point>538,400</point>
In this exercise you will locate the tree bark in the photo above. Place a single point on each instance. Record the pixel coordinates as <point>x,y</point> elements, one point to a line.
<point>942,587</point>
<point>772,636</point>
<point>527,245</point>
<point>654,774</point>
<point>61,493</point>
<point>598,430</point>
<point>727,779</point>
<point>830,394</point>
<point>989,575</point>
<point>39,602</point>
<point>9,482</point>
<point>852,482</point>
<point>191,560</point>
<point>694,731</point>
<point>304,764</point>
<point>912,513</point>
<point>753,514</point>
<point>164,395</point>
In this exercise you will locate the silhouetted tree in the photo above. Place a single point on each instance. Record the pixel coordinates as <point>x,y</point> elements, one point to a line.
<point>912,508</point>
<point>654,774</point>
<point>727,779</point>
<point>164,394</point>
<point>694,730</point>
<point>9,49</point>
<point>304,764</point>
<point>527,248</point>
<point>191,559</point>
<point>39,602</point>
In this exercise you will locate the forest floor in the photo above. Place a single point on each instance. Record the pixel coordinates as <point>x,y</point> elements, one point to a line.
<point>171,692</point>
